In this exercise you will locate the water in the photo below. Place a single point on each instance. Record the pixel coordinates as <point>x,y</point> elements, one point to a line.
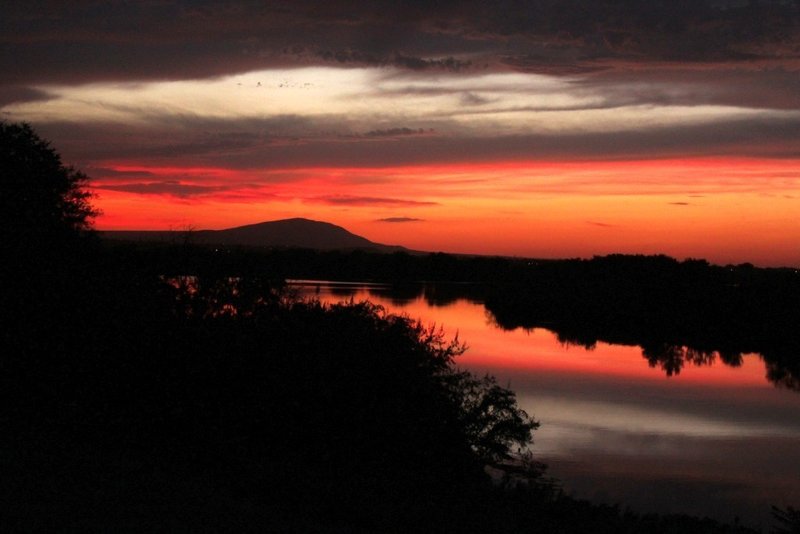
<point>712,440</point>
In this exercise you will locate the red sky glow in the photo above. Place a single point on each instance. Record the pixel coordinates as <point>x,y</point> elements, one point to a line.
<point>449,130</point>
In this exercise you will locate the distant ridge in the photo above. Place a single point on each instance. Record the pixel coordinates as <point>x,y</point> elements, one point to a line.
<point>284,233</point>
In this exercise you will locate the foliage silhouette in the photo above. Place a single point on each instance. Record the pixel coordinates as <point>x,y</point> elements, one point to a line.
<point>696,308</point>
<point>788,520</point>
<point>41,198</point>
<point>677,312</point>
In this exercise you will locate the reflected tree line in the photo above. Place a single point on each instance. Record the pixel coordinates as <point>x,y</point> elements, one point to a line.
<point>679,312</point>
<point>750,311</point>
<point>658,347</point>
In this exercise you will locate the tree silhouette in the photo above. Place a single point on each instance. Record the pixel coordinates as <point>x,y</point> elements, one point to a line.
<point>788,520</point>
<point>41,199</point>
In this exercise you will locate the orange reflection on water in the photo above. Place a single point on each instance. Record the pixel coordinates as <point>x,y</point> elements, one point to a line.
<point>495,350</point>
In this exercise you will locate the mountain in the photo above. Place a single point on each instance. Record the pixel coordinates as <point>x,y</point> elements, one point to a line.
<point>285,233</point>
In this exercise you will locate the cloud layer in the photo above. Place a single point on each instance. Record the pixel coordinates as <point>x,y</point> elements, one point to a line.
<point>173,39</point>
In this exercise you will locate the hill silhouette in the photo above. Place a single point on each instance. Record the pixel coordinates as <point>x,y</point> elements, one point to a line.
<point>284,233</point>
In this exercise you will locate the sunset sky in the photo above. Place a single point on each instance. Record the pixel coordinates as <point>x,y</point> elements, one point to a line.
<point>531,128</point>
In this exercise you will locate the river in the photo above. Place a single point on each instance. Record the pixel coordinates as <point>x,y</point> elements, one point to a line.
<point>711,440</point>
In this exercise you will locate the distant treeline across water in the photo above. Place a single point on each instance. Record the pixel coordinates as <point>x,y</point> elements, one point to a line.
<point>675,310</point>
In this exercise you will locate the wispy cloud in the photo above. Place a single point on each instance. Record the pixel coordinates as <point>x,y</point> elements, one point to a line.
<point>398,132</point>
<point>394,59</point>
<point>168,188</point>
<point>15,94</point>
<point>343,200</point>
<point>399,220</point>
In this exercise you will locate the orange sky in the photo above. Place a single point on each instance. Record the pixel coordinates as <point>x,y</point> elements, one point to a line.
<point>727,210</point>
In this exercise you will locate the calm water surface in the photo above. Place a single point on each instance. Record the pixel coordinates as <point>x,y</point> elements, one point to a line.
<point>713,440</point>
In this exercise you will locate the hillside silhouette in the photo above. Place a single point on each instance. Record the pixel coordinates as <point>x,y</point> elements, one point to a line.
<point>284,233</point>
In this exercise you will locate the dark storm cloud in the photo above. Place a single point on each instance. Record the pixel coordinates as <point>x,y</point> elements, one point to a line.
<point>47,41</point>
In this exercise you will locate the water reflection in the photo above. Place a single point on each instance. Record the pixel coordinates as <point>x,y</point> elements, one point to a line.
<point>679,430</point>
<point>672,358</point>
<point>399,295</point>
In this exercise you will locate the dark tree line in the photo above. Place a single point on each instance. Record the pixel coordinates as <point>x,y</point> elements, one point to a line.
<point>678,311</point>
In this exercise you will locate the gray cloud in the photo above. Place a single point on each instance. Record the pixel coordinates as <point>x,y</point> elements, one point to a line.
<point>174,137</point>
<point>397,132</point>
<point>344,200</point>
<point>471,99</point>
<point>399,220</point>
<point>245,145</point>
<point>168,188</point>
<point>16,94</point>
<point>395,60</point>
<point>776,87</point>
<point>752,85</point>
<point>103,172</point>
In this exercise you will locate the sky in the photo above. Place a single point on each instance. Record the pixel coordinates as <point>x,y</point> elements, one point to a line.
<point>549,128</point>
